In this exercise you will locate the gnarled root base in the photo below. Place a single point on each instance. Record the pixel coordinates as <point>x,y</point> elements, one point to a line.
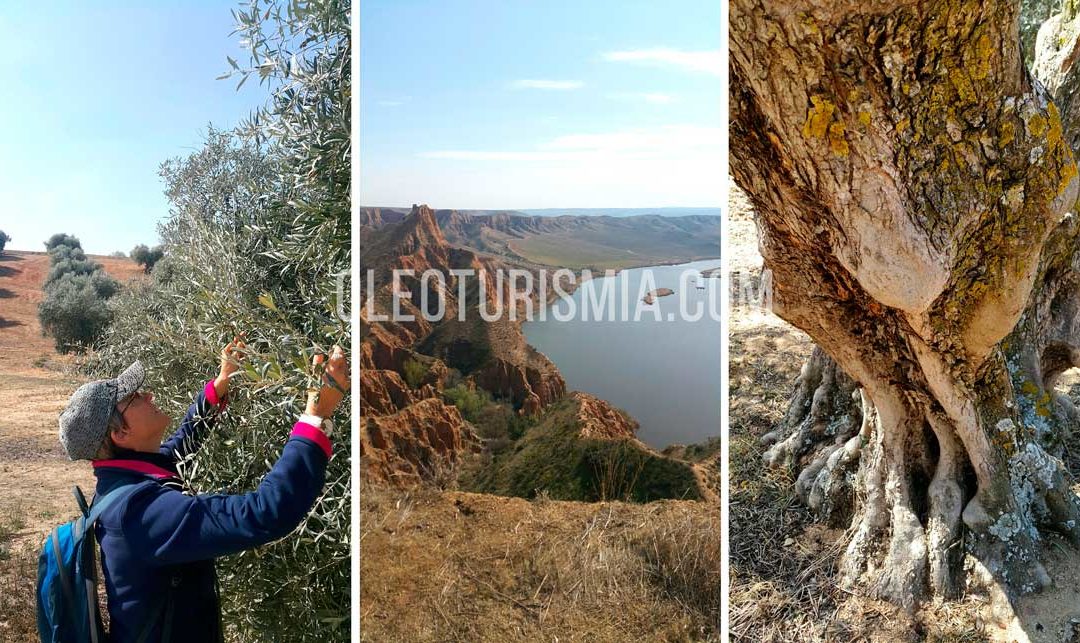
<point>906,483</point>
<point>819,437</point>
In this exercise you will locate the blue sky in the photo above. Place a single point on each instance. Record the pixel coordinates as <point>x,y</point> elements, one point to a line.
<point>95,98</point>
<point>528,104</point>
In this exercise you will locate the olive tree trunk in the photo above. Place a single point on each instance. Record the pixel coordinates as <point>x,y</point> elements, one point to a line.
<point>912,186</point>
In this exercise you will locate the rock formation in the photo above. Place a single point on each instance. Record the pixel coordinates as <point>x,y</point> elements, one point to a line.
<point>600,420</point>
<point>492,355</point>
<point>424,440</point>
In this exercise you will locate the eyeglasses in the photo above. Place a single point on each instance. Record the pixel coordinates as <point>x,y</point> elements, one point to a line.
<point>131,399</point>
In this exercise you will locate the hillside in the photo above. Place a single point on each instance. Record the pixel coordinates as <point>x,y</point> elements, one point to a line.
<point>450,566</point>
<point>467,404</point>
<point>504,390</point>
<point>35,492</point>
<point>573,241</point>
<point>21,276</point>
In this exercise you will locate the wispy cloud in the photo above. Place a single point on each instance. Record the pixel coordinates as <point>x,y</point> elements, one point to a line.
<point>703,61</point>
<point>668,142</point>
<point>559,85</point>
<point>389,103</point>
<point>648,97</point>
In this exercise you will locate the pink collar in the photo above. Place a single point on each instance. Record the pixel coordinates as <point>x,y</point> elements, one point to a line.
<point>137,466</point>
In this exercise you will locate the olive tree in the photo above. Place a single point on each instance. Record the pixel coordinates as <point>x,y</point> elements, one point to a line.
<point>258,241</point>
<point>62,239</point>
<point>913,188</point>
<point>146,257</point>
<point>74,311</point>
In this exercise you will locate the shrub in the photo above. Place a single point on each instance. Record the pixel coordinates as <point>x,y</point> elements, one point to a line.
<point>4,238</point>
<point>552,457</point>
<point>147,257</point>
<point>414,372</point>
<point>61,239</point>
<point>469,401</point>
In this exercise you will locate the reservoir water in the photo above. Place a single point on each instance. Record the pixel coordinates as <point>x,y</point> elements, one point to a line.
<point>664,371</point>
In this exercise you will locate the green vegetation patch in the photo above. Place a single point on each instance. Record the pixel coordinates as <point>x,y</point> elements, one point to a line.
<point>552,458</point>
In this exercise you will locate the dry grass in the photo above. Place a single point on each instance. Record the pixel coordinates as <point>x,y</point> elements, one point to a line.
<point>35,476</point>
<point>451,566</point>
<point>18,573</point>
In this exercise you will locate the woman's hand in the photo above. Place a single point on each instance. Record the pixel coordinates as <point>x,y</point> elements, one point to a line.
<point>335,383</point>
<point>231,356</point>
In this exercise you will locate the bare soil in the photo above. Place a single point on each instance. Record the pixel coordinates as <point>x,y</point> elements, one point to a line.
<point>783,563</point>
<point>36,478</point>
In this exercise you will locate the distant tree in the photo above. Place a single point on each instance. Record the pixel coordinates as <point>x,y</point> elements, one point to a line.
<point>4,238</point>
<point>62,252</point>
<point>119,254</point>
<point>63,265</point>
<point>74,312</point>
<point>147,257</point>
<point>61,239</point>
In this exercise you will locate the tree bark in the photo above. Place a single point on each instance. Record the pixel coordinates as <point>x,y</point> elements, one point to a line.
<point>912,184</point>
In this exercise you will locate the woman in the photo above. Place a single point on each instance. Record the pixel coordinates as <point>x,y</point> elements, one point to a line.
<point>158,544</point>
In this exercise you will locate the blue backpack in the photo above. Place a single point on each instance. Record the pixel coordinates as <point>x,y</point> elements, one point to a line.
<point>67,606</point>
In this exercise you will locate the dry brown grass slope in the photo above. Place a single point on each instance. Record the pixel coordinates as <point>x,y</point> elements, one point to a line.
<point>451,566</point>
<point>35,476</point>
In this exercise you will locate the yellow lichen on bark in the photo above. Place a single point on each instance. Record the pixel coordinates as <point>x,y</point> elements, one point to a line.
<point>1056,143</point>
<point>1036,126</point>
<point>1054,136</point>
<point>820,125</point>
<point>980,66</point>
<point>1008,133</point>
<point>837,142</point>
<point>818,117</point>
<point>962,84</point>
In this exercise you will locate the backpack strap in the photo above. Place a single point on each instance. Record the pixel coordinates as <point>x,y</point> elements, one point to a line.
<point>83,527</point>
<point>65,582</point>
<point>166,602</point>
<point>101,502</point>
<point>81,499</point>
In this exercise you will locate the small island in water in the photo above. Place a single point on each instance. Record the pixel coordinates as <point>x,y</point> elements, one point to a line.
<point>653,295</point>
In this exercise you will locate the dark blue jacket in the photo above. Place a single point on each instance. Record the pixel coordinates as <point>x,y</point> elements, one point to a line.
<point>158,539</point>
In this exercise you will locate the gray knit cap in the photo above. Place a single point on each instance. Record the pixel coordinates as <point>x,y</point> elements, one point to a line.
<point>85,422</point>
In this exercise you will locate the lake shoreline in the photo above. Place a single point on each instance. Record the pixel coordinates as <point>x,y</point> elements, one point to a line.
<point>690,438</point>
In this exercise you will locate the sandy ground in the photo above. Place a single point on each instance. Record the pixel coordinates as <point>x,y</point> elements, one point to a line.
<point>783,562</point>
<point>36,478</point>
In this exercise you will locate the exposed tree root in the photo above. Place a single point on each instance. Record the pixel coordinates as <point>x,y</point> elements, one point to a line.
<point>906,485</point>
